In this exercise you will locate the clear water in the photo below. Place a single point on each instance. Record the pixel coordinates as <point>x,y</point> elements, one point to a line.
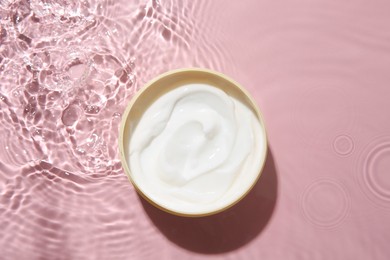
<point>318,69</point>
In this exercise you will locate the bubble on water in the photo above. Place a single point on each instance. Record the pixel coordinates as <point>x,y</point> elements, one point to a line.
<point>53,19</point>
<point>60,81</point>
<point>91,110</point>
<point>116,115</point>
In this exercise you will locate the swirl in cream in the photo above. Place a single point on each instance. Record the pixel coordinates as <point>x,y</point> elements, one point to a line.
<point>196,149</point>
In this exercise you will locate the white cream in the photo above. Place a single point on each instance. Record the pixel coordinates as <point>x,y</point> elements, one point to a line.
<point>196,149</point>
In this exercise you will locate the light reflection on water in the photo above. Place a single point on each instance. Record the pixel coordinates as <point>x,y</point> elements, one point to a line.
<point>68,69</point>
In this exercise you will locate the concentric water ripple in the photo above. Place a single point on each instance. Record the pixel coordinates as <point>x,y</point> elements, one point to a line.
<point>343,145</point>
<point>373,171</point>
<point>325,203</point>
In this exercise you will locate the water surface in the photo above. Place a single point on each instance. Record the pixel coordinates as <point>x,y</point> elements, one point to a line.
<point>318,70</point>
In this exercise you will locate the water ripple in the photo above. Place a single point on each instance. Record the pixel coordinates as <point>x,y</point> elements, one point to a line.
<point>68,69</point>
<point>325,203</point>
<point>372,168</point>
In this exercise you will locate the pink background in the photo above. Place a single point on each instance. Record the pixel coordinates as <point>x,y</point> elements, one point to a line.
<point>318,69</point>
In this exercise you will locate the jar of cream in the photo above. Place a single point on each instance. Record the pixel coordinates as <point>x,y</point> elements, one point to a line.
<point>192,142</point>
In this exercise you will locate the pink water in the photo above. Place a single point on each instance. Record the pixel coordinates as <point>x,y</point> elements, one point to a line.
<point>319,71</point>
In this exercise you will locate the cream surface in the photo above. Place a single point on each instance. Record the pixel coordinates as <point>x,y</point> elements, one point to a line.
<point>196,149</point>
